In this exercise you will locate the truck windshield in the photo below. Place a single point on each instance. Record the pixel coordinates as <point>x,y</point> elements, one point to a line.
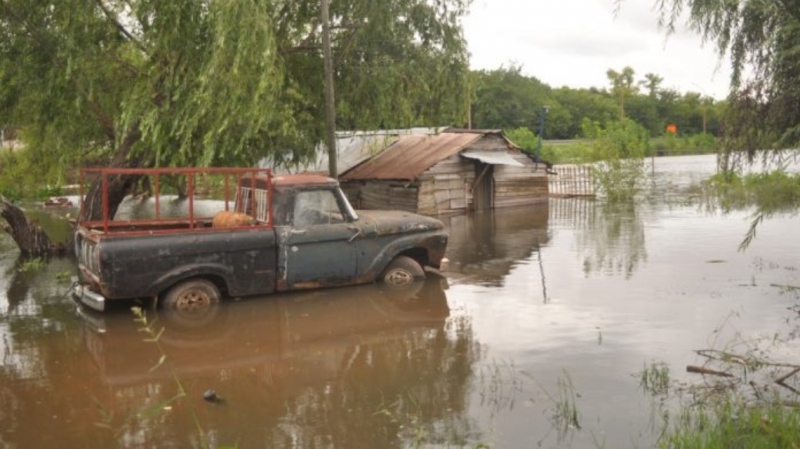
<point>316,207</point>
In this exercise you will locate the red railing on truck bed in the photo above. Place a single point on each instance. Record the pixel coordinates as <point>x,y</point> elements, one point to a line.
<point>260,178</point>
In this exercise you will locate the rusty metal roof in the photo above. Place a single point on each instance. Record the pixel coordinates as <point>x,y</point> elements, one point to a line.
<point>352,148</point>
<point>411,155</point>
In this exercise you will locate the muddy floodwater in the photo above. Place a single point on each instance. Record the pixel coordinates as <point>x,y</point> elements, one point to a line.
<point>534,338</point>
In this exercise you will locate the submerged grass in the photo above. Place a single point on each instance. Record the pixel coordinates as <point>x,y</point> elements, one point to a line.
<point>565,415</point>
<point>767,193</point>
<point>745,399</point>
<point>31,265</point>
<point>154,334</point>
<point>733,423</point>
<point>654,378</point>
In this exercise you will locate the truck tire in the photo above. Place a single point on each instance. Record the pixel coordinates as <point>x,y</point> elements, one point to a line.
<point>193,302</point>
<point>402,272</point>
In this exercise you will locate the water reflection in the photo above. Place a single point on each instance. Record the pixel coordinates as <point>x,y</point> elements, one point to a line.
<point>485,247</point>
<point>610,237</point>
<point>351,367</point>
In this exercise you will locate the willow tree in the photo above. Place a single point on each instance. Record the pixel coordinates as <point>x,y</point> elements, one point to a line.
<point>138,83</point>
<point>762,39</point>
<point>141,83</point>
<point>398,63</point>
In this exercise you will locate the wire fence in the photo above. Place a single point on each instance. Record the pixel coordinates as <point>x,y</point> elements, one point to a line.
<point>571,180</point>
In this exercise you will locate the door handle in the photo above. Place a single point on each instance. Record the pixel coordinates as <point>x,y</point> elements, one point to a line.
<point>357,232</point>
<point>298,231</point>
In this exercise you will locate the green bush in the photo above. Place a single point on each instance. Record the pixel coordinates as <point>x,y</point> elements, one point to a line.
<point>672,145</point>
<point>22,176</point>
<point>572,152</point>
<point>618,155</point>
<point>769,192</point>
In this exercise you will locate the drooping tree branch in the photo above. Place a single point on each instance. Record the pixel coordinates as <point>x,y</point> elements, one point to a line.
<point>119,26</point>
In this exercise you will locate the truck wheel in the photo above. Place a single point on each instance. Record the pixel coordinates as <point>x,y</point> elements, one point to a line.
<point>192,302</point>
<point>402,272</point>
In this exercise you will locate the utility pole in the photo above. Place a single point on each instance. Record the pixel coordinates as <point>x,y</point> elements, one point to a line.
<point>542,119</point>
<point>705,113</point>
<point>330,109</point>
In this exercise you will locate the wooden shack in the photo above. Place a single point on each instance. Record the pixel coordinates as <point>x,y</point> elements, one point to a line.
<point>449,172</point>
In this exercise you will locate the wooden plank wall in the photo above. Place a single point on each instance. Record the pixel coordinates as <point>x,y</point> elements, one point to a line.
<point>382,195</point>
<point>446,188</point>
<point>520,186</point>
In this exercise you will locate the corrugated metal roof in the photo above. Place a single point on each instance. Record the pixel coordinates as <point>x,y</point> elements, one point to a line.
<point>492,157</point>
<point>411,155</point>
<point>352,148</point>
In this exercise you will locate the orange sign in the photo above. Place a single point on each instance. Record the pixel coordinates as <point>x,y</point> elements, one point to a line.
<point>672,128</point>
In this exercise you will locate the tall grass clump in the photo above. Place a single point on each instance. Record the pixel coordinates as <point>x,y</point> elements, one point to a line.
<point>734,423</point>
<point>618,153</point>
<point>654,379</point>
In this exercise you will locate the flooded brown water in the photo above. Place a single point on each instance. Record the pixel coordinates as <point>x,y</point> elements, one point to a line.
<point>544,310</point>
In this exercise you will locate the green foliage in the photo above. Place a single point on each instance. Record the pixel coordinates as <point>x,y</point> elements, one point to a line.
<point>770,192</point>
<point>572,152</point>
<point>672,145</point>
<point>582,104</point>
<point>762,39</point>
<point>48,190</point>
<point>218,83</point>
<point>505,98</point>
<point>766,193</point>
<point>618,155</point>
<point>622,86</point>
<point>733,423</point>
<point>63,277</point>
<point>31,265</point>
<point>523,137</point>
<point>23,176</point>
<point>654,378</point>
<point>565,415</point>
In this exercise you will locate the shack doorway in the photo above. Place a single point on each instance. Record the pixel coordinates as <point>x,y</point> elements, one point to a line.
<point>483,188</point>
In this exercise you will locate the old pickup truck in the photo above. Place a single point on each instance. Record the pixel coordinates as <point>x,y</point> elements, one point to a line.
<point>270,234</point>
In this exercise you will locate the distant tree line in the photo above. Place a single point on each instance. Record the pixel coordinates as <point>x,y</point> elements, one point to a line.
<point>505,98</point>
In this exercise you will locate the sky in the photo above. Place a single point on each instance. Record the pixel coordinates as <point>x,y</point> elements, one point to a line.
<point>574,42</point>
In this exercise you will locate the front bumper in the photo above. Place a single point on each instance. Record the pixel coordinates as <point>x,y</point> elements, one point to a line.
<point>87,297</point>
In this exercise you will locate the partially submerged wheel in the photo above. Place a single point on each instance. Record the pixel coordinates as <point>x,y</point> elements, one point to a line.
<point>402,272</point>
<point>192,303</point>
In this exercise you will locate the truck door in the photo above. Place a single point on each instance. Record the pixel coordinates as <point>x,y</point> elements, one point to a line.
<point>316,249</point>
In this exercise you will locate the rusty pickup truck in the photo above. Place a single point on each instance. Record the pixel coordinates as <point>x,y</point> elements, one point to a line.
<point>269,234</point>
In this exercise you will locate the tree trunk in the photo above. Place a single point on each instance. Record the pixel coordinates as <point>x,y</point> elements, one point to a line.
<point>118,185</point>
<point>29,236</point>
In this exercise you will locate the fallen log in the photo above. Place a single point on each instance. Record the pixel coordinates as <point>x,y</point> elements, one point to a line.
<point>29,236</point>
